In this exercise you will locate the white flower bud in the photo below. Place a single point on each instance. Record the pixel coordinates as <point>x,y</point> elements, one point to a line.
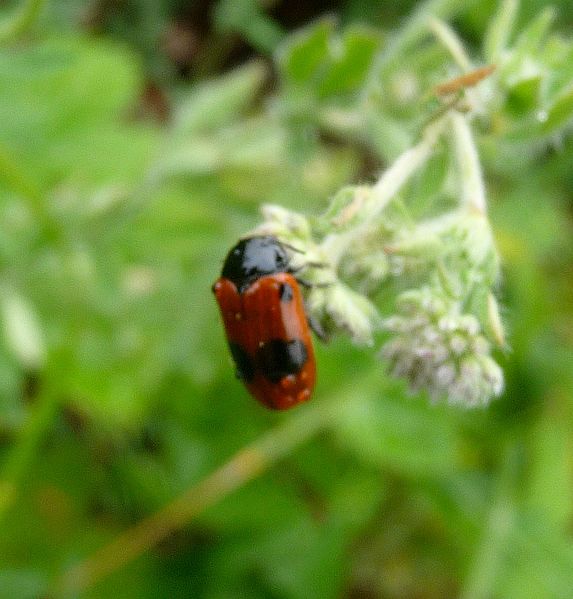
<point>445,375</point>
<point>458,344</point>
<point>346,309</point>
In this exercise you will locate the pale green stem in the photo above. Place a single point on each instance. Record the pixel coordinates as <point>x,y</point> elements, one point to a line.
<point>453,44</point>
<point>499,31</point>
<point>407,164</point>
<point>402,170</point>
<point>414,29</point>
<point>17,24</point>
<point>470,172</point>
<point>450,40</point>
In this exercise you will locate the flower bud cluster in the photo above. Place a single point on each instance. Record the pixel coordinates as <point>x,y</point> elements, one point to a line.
<point>439,348</point>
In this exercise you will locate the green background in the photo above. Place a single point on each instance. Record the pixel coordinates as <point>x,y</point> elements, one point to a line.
<point>137,141</point>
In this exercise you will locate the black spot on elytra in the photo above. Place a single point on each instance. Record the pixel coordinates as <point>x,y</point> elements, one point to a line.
<point>278,358</point>
<point>286,292</point>
<point>245,366</point>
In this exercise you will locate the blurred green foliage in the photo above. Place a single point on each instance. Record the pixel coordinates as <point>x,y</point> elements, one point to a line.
<point>116,392</point>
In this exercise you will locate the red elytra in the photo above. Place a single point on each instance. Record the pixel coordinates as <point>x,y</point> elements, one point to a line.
<point>265,323</point>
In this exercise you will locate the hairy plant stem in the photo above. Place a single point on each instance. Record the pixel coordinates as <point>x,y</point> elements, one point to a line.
<point>336,245</point>
<point>450,40</point>
<point>500,29</point>
<point>471,177</point>
<point>413,30</point>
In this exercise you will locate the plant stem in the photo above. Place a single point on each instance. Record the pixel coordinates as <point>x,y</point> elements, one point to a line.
<point>499,30</point>
<point>413,30</point>
<point>473,188</point>
<point>336,245</point>
<point>244,466</point>
<point>450,40</point>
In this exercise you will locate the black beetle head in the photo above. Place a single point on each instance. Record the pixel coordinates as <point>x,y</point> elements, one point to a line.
<point>254,258</point>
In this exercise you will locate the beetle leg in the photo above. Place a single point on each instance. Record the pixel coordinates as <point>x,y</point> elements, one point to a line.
<point>317,328</point>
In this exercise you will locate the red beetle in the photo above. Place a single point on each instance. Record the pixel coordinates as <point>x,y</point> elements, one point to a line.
<point>265,323</point>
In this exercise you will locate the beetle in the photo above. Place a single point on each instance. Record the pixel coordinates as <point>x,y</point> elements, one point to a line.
<point>265,322</point>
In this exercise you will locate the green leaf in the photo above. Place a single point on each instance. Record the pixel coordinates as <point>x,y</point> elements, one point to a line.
<point>531,38</point>
<point>300,59</point>
<point>408,437</point>
<point>558,55</point>
<point>254,144</point>
<point>528,46</point>
<point>387,134</point>
<point>326,64</point>
<point>558,114</point>
<point>87,89</point>
<point>550,484</point>
<point>548,120</point>
<point>539,563</point>
<point>247,18</point>
<point>524,96</point>
<point>351,60</point>
<point>303,560</point>
<point>219,102</point>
